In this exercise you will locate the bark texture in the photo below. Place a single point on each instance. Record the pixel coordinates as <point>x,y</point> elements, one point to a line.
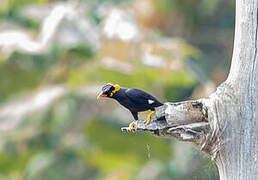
<point>237,101</point>
<point>224,125</point>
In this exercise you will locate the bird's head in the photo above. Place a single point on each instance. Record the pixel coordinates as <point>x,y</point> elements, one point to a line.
<point>109,90</point>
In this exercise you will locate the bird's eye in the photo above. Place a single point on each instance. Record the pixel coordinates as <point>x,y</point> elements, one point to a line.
<point>105,88</point>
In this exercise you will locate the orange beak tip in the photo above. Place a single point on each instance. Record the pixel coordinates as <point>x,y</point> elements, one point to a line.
<point>101,95</point>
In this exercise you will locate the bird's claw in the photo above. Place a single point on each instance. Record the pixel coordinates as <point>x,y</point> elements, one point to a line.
<point>148,118</point>
<point>132,127</point>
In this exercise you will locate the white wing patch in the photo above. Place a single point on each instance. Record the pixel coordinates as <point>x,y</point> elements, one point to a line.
<point>150,101</point>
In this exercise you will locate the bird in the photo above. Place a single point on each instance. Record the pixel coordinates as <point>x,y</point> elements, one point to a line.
<point>135,100</point>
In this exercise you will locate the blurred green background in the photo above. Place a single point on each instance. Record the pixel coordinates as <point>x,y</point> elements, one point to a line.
<point>56,55</point>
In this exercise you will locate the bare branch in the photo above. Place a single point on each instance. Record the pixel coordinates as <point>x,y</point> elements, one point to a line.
<point>12,113</point>
<point>23,41</point>
<point>186,121</point>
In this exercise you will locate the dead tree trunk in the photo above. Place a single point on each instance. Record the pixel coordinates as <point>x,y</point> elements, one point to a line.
<point>224,125</point>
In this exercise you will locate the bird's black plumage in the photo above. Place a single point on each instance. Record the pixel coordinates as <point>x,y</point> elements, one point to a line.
<point>135,100</point>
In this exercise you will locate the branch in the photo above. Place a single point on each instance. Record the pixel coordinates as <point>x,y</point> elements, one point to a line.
<point>12,113</point>
<point>21,41</point>
<point>186,121</point>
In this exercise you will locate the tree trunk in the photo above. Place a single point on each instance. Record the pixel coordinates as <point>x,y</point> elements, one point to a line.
<point>236,104</point>
<point>224,125</point>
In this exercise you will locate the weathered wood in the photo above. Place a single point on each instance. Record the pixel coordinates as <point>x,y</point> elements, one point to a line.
<point>186,121</point>
<point>234,107</point>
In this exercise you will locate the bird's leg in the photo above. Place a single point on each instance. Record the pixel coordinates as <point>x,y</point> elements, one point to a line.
<point>131,127</point>
<point>147,120</point>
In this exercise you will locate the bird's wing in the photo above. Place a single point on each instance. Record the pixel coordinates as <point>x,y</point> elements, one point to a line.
<point>140,97</point>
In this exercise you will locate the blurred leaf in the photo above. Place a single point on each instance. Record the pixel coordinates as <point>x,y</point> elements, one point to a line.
<point>14,161</point>
<point>14,79</point>
<point>38,163</point>
<point>121,143</point>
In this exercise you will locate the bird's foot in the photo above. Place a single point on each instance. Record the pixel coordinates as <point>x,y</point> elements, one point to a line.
<point>132,127</point>
<point>147,120</point>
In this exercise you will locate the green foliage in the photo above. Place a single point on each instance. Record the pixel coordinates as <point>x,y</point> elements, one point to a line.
<point>28,79</point>
<point>125,143</point>
<point>113,149</point>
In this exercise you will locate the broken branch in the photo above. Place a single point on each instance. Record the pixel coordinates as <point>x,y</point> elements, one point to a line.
<point>186,121</point>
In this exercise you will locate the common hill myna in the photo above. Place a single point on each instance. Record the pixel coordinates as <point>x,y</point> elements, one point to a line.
<point>135,100</point>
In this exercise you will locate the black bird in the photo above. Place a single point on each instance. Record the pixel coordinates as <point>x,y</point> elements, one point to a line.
<point>135,100</point>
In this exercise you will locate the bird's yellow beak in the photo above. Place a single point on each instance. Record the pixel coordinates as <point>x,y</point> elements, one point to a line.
<point>101,95</point>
